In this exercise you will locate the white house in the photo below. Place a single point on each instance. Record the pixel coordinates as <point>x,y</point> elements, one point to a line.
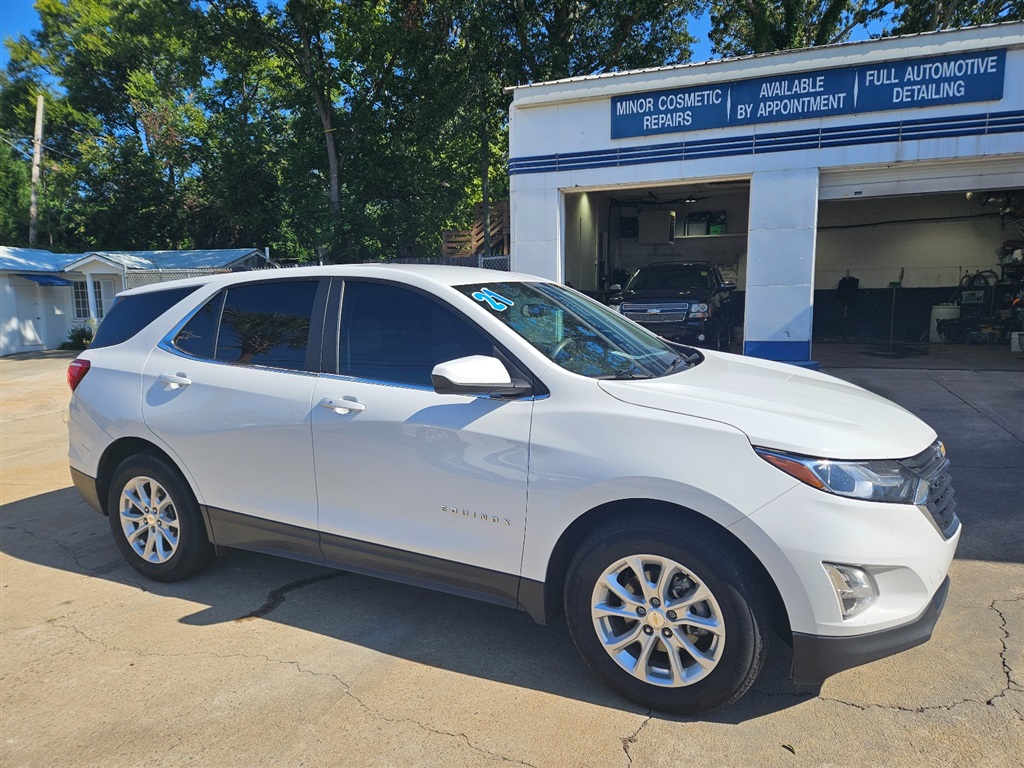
<point>898,162</point>
<point>43,295</point>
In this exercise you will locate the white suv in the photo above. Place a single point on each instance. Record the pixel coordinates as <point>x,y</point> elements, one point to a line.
<point>506,438</point>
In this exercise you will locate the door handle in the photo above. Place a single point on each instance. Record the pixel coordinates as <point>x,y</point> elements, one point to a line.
<point>341,405</point>
<point>174,380</point>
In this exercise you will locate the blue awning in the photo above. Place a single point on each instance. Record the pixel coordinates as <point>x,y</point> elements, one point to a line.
<point>46,279</point>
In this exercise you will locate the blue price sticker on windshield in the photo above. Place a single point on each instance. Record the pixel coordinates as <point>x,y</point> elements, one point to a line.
<point>496,301</point>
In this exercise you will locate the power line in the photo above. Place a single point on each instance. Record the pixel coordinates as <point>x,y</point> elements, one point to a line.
<point>58,152</point>
<point>45,146</point>
<point>22,151</point>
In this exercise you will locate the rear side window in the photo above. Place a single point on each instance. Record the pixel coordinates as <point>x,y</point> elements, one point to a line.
<point>257,324</point>
<point>199,337</point>
<point>130,314</point>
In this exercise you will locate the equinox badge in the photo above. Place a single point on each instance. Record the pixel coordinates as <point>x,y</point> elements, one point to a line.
<point>477,516</point>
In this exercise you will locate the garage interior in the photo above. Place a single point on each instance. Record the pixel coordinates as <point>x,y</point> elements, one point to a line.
<point>894,274</point>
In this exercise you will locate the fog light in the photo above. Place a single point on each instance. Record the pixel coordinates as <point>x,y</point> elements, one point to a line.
<point>855,589</point>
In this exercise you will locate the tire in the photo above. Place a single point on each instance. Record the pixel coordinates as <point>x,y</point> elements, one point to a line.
<point>718,646</point>
<point>155,520</point>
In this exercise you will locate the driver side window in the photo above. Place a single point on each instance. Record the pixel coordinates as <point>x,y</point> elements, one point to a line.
<point>392,334</point>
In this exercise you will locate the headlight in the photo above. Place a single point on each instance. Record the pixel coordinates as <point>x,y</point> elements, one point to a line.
<point>871,480</point>
<point>698,311</point>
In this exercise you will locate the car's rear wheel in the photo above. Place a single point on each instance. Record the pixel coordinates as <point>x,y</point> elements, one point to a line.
<point>156,521</point>
<point>667,615</point>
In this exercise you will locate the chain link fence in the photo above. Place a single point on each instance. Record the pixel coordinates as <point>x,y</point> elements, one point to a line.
<point>137,277</point>
<point>499,261</point>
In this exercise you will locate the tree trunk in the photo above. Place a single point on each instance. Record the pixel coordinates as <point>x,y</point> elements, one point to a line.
<point>324,110</point>
<point>485,168</point>
<point>322,96</point>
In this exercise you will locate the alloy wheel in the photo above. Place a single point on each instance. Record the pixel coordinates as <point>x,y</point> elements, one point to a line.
<point>658,621</point>
<point>149,519</point>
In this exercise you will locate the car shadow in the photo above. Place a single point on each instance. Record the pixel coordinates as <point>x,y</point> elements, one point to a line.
<point>57,530</point>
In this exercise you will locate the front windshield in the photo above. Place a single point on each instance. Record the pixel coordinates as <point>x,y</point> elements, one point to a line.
<point>576,332</point>
<point>676,277</point>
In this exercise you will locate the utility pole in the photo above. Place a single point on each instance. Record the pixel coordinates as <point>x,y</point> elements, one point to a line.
<point>37,156</point>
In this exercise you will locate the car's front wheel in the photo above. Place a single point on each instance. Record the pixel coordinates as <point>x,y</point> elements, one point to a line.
<point>667,615</point>
<point>156,521</point>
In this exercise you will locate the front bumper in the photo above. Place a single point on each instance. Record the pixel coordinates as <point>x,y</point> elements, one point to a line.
<point>897,544</point>
<point>816,657</point>
<point>695,332</point>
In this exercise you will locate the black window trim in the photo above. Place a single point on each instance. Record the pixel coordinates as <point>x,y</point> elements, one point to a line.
<point>332,339</point>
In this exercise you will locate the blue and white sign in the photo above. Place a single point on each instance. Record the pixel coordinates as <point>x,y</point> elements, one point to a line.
<point>908,84</point>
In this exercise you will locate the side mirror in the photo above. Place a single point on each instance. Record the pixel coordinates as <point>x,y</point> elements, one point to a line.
<point>727,287</point>
<point>615,288</point>
<point>475,375</point>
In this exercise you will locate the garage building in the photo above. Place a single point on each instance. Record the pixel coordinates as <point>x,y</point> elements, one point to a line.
<point>897,163</point>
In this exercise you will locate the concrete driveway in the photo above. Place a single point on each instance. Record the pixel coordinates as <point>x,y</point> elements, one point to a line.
<point>262,661</point>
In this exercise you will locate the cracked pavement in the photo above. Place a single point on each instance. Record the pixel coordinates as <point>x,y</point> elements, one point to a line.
<point>263,661</point>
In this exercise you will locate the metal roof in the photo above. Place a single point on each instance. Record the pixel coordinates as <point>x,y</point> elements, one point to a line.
<point>192,259</point>
<point>34,260</point>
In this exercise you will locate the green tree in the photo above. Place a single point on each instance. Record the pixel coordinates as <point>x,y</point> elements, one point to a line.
<point>121,124</point>
<point>14,195</point>
<point>314,41</point>
<point>249,148</point>
<point>912,16</point>
<point>337,129</point>
<point>743,27</point>
<point>568,38</point>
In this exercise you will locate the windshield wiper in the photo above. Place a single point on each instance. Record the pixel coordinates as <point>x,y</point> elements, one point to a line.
<point>681,361</point>
<point>626,373</point>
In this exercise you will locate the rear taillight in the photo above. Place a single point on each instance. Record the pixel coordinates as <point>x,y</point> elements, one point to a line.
<point>76,372</point>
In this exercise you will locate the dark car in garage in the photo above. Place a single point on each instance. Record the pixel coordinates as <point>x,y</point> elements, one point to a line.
<point>683,301</point>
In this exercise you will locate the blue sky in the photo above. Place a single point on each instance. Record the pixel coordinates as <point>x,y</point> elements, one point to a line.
<point>17,17</point>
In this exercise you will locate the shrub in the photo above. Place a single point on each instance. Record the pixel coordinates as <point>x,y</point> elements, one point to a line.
<point>78,337</point>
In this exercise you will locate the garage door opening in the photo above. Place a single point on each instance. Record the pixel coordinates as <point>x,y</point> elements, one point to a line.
<point>610,234</point>
<point>900,272</point>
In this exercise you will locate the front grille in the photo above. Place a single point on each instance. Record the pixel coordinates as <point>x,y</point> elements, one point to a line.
<point>674,312</point>
<point>932,465</point>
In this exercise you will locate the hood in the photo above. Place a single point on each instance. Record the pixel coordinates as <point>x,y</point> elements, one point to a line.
<point>663,294</point>
<point>784,407</point>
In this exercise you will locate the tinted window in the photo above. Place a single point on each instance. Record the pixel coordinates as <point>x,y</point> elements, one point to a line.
<point>256,324</point>
<point>130,314</point>
<point>267,324</point>
<point>389,333</point>
<point>676,277</point>
<point>199,336</point>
